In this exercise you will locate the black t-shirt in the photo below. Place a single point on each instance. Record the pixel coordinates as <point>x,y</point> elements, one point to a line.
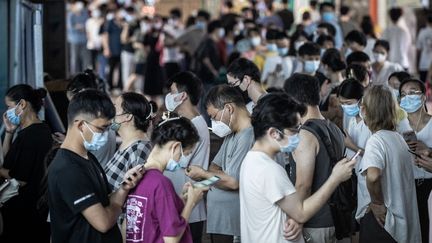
<point>74,184</point>
<point>25,162</point>
<point>133,27</point>
<point>208,49</point>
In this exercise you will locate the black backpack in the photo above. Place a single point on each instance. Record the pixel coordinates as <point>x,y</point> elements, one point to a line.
<point>343,201</point>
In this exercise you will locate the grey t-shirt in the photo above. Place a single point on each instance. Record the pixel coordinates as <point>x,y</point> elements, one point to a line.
<point>200,157</point>
<point>106,152</point>
<point>223,207</point>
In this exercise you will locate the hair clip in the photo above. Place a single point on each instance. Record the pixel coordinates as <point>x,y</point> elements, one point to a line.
<point>169,119</point>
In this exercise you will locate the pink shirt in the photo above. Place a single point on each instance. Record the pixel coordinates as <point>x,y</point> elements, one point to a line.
<point>153,211</point>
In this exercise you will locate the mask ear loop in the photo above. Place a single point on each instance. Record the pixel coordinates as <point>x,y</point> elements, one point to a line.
<point>151,112</point>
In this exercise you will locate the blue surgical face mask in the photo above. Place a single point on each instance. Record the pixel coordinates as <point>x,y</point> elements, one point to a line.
<point>272,47</point>
<point>201,25</point>
<point>283,51</point>
<point>293,142</point>
<point>351,110</point>
<point>172,164</point>
<point>13,117</point>
<point>328,16</point>
<point>411,103</point>
<point>311,67</point>
<point>98,140</point>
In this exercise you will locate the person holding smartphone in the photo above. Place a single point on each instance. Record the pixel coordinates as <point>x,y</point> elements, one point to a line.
<point>413,101</point>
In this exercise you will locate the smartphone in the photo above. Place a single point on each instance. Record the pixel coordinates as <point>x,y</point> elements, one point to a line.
<point>409,136</point>
<point>134,174</point>
<point>414,153</point>
<point>207,183</point>
<point>355,155</point>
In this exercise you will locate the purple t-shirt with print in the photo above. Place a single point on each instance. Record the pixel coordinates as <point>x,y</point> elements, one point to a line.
<point>153,211</point>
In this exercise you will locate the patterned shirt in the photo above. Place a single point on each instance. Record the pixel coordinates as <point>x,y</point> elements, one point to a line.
<point>125,159</point>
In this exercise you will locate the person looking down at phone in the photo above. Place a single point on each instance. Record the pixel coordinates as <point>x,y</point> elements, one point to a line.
<point>24,162</point>
<point>186,92</point>
<point>154,211</point>
<point>413,101</point>
<point>390,212</point>
<point>83,208</point>
<point>267,196</point>
<point>231,121</point>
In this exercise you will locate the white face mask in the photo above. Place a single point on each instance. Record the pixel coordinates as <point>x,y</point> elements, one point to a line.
<point>220,128</point>
<point>221,33</point>
<point>378,57</point>
<point>256,41</point>
<point>172,101</point>
<point>96,13</point>
<point>79,6</point>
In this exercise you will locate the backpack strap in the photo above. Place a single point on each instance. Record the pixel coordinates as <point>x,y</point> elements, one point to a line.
<point>324,137</point>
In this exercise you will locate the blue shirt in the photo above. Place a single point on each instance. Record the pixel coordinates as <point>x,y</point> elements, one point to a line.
<point>76,33</point>
<point>114,33</point>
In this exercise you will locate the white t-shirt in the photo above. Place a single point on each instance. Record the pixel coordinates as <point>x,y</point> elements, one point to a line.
<point>369,47</point>
<point>386,150</point>
<point>200,157</point>
<point>94,41</point>
<point>263,182</point>
<point>381,78</point>
<point>424,135</point>
<point>400,42</point>
<point>424,43</point>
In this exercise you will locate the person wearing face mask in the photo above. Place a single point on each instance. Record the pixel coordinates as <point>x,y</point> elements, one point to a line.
<point>309,55</point>
<point>332,66</point>
<point>94,41</point>
<point>268,199</point>
<point>395,79</point>
<point>354,41</point>
<point>325,42</point>
<point>24,161</point>
<point>413,101</point>
<point>231,121</point>
<point>381,67</point>
<point>272,74</point>
<point>79,196</point>
<point>127,58</point>
<point>132,120</point>
<point>154,211</point>
<point>311,163</point>
<point>186,90</point>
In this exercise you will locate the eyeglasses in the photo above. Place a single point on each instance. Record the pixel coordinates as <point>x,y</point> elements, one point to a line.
<point>100,129</point>
<point>293,130</point>
<point>411,92</point>
<point>236,82</point>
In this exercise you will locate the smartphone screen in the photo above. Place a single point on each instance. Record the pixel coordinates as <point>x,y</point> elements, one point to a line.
<point>207,183</point>
<point>414,153</point>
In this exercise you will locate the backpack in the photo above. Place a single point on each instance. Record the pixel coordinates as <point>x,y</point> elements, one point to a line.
<point>343,200</point>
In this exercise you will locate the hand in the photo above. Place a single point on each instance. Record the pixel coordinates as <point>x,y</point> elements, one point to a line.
<point>424,161</point>
<point>348,140</point>
<point>342,171</point>
<point>379,211</point>
<point>292,230</point>
<point>417,145</point>
<point>194,194</point>
<point>132,177</point>
<point>195,172</point>
<point>10,128</point>
<point>58,137</point>
<point>106,52</point>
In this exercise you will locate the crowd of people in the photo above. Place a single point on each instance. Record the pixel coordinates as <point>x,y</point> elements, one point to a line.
<point>247,128</point>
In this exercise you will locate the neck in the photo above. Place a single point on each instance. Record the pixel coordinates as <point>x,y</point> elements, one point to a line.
<point>243,121</point>
<point>255,91</point>
<point>415,117</point>
<point>29,119</point>
<point>155,161</point>
<point>131,135</point>
<point>265,147</point>
<point>312,112</point>
<point>214,37</point>
<point>188,111</point>
<point>70,143</point>
<point>336,77</point>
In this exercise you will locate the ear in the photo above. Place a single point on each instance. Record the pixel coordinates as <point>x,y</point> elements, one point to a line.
<point>22,104</point>
<point>273,133</point>
<point>129,117</point>
<point>230,108</point>
<point>183,96</point>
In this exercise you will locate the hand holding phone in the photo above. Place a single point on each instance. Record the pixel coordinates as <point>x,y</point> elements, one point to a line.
<point>207,183</point>
<point>409,136</point>
<point>356,155</point>
<point>414,153</point>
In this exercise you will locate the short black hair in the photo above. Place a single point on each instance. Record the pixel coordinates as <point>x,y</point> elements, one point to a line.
<point>357,71</point>
<point>395,14</point>
<point>329,27</point>
<point>281,35</point>
<point>91,103</point>
<point>271,34</point>
<point>357,37</point>
<point>367,26</point>
<point>277,110</point>
<point>303,87</point>
<point>306,15</point>
<point>203,14</point>
<point>82,81</point>
<point>175,129</point>
<point>176,12</point>
<point>213,25</point>
<point>401,76</point>
<point>326,4</point>
<point>350,89</point>
<point>323,38</point>
<point>139,107</point>
<point>413,80</point>
<point>223,94</point>
<point>382,43</point>
<point>26,92</point>
<point>344,10</point>
<point>332,58</point>
<point>190,83</point>
<point>357,56</point>
<point>310,49</point>
<point>241,67</point>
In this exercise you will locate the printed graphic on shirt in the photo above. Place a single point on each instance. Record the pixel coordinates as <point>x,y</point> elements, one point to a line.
<point>135,218</point>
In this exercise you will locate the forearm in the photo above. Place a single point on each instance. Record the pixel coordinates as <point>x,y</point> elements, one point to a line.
<point>209,65</point>
<point>117,200</point>
<point>7,142</point>
<point>105,42</point>
<point>375,190</point>
<point>4,173</point>
<point>226,182</point>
